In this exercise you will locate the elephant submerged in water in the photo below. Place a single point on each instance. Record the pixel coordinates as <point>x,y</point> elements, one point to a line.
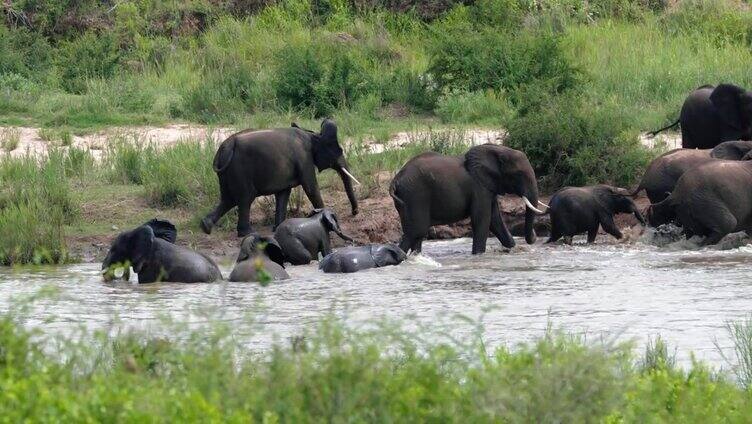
<point>151,250</point>
<point>711,115</point>
<point>575,210</point>
<point>258,163</point>
<point>357,258</point>
<point>433,189</point>
<point>302,239</point>
<point>712,200</point>
<point>259,255</point>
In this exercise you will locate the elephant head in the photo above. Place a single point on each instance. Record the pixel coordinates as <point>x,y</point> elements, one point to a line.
<point>734,105</point>
<point>255,244</point>
<point>387,254</point>
<point>327,153</point>
<point>618,200</point>
<point>732,150</point>
<point>503,170</point>
<point>134,248</point>
<point>330,222</point>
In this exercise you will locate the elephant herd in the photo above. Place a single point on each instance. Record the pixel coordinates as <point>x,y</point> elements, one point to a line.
<point>703,188</point>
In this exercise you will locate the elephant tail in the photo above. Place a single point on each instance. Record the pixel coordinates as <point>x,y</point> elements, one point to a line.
<point>393,193</point>
<point>636,191</point>
<point>225,152</point>
<point>654,133</point>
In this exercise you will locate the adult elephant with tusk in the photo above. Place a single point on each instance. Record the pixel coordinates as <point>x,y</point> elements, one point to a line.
<point>258,163</point>
<point>433,189</point>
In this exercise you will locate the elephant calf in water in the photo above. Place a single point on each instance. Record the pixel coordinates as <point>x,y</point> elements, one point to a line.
<point>151,250</point>
<point>356,258</point>
<point>302,239</point>
<point>256,254</point>
<point>575,210</point>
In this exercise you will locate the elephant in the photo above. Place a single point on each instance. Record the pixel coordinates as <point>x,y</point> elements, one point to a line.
<point>575,210</point>
<point>357,258</point>
<point>434,189</point>
<point>252,163</point>
<point>712,200</point>
<point>259,253</point>
<point>302,239</point>
<point>664,171</point>
<point>711,115</point>
<point>151,250</point>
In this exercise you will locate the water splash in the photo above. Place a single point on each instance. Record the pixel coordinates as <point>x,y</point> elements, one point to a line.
<point>422,259</point>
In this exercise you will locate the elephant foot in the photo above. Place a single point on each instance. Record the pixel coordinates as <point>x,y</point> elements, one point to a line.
<point>206,225</point>
<point>244,232</point>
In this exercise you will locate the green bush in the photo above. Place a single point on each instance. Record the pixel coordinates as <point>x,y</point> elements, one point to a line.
<point>571,141</point>
<point>124,161</point>
<point>473,108</point>
<point>88,56</point>
<point>222,93</point>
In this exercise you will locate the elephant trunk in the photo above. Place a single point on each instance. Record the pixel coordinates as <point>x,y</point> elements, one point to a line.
<point>109,268</point>
<point>347,179</point>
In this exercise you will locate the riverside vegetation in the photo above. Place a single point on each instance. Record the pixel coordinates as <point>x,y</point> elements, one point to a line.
<point>572,82</point>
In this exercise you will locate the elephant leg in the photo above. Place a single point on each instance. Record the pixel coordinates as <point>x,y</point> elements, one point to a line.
<point>298,255</point>
<point>607,222</point>
<point>722,225</point>
<point>555,235</point>
<point>480,221</point>
<point>415,226</point>
<point>592,233</point>
<point>225,204</point>
<point>244,215</point>
<point>281,212</point>
<point>568,240</point>
<point>311,189</point>
<point>498,228</point>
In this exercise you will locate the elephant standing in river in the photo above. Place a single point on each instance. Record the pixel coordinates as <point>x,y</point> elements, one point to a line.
<point>712,200</point>
<point>575,210</point>
<point>302,239</point>
<point>257,163</point>
<point>433,189</point>
<point>711,115</point>
<point>357,258</point>
<point>258,254</point>
<point>151,251</point>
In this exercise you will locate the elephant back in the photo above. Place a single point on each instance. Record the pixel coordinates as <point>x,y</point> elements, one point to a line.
<point>225,152</point>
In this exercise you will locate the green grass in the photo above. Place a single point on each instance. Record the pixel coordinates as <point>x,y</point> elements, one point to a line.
<point>333,373</point>
<point>9,139</point>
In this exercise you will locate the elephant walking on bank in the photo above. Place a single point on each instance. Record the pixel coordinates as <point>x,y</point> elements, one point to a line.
<point>302,239</point>
<point>575,210</point>
<point>151,251</point>
<point>357,258</point>
<point>433,189</point>
<point>259,254</point>
<point>711,115</point>
<point>712,200</point>
<point>258,163</point>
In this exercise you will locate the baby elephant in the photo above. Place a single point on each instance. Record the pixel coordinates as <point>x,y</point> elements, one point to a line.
<point>302,239</point>
<point>259,253</point>
<point>575,210</point>
<point>356,258</point>
<point>151,250</point>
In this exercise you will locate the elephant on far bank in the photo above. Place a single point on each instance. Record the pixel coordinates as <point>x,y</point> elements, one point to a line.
<point>434,189</point>
<point>151,250</point>
<point>302,239</point>
<point>711,115</point>
<point>712,200</point>
<point>258,254</point>
<point>264,162</point>
<point>357,258</point>
<point>575,210</point>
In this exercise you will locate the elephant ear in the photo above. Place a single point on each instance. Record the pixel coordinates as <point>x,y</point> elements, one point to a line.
<point>273,250</point>
<point>330,220</point>
<point>487,165</point>
<point>141,245</point>
<point>387,254</point>
<point>326,148</point>
<point>727,99</point>
<point>163,229</point>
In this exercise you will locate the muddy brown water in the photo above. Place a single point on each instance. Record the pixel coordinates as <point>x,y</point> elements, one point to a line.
<point>615,290</point>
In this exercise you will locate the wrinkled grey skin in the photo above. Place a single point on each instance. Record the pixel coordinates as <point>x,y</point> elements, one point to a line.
<point>711,115</point>
<point>302,239</point>
<point>151,251</point>
<point>252,255</point>
<point>712,200</point>
<point>433,189</point>
<point>356,258</point>
<point>575,210</point>
<point>258,163</point>
<point>664,171</point>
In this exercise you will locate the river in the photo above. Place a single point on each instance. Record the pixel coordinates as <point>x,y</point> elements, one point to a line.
<point>615,290</point>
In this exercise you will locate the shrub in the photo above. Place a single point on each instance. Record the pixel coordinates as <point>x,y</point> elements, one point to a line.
<point>88,56</point>
<point>571,141</point>
<point>298,73</point>
<point>225,90</point>
<point>476,107</point>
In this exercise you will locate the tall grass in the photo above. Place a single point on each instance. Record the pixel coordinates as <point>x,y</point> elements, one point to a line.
<point>333,373</point>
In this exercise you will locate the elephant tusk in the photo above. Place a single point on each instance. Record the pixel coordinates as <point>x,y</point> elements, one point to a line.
<point>531,207</point>
<point>350,175</point>
<point>543,204</point>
